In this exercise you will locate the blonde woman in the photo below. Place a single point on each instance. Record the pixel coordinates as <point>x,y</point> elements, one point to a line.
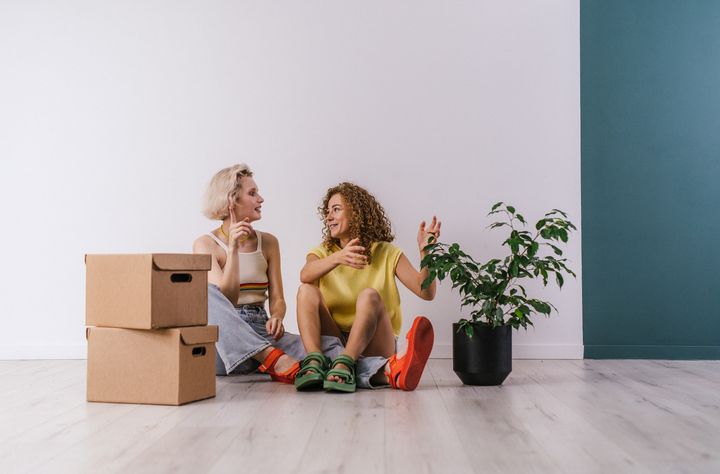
<point>245,274</point>
<point>349,291</point>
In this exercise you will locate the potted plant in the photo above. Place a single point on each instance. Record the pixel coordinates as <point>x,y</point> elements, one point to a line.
<point>482,344</point>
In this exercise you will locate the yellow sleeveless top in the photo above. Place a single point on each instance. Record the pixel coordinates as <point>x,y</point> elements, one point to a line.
<point>341,286</point>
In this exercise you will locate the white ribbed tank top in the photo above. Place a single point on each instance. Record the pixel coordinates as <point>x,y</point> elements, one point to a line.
<point>253,273</point>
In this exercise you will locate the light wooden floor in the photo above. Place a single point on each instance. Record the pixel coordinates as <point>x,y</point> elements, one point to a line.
<point>549,416</point>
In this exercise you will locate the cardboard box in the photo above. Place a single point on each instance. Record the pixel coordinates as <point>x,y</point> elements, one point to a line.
<point>146,291</point>
<point>164,367</point>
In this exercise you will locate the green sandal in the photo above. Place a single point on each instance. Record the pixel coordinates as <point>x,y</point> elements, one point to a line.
<point>311,376</point>
<point>347,375</point>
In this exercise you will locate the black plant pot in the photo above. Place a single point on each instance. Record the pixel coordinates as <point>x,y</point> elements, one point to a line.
<point>484,359</point>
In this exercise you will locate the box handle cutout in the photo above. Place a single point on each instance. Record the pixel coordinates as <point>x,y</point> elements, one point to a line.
<point>181,278</point>
<point>198,351</point>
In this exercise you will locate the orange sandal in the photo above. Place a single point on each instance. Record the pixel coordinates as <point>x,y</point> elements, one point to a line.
<point>268,367</point>
<point>405,371</point>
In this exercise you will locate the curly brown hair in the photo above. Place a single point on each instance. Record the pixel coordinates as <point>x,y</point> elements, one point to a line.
<point>368,221</point>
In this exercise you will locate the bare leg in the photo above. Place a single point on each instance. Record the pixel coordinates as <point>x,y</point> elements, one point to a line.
<point>314,318</point>
<point>371,333</point>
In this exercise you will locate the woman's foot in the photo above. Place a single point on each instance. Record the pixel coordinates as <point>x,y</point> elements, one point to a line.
<point>280,366</point>
<point>404,372</point>
<point>335,378</point>
<point>284,363</point>
<point>341,376</point>
<point>312,371</point>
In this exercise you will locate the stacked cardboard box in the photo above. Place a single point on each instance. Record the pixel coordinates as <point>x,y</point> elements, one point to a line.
<point>148,338</point>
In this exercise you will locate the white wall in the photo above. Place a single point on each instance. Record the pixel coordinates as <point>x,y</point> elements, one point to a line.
<point>114,115</point>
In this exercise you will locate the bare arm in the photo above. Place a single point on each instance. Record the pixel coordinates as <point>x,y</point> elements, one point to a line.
<point>316,267</point>
<point>407,274</point>
<point>228,278</point>
<point>271,248</point>
<point>413,279</point>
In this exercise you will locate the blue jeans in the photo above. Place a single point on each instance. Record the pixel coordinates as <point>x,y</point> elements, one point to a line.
<point>243,335</point>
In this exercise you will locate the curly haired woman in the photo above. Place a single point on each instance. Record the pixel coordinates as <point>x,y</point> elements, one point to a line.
<point>349,291</point>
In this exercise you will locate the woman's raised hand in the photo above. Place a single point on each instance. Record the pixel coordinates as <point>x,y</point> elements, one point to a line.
<point>424,233</point>
<point>352,255</point>
<point>239,231</point>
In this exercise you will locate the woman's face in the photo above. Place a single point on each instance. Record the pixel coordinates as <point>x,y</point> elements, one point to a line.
<point>249,202</point>
<point>338,217</point>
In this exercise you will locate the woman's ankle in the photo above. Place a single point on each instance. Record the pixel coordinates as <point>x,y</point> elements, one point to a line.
<point>262,355</point>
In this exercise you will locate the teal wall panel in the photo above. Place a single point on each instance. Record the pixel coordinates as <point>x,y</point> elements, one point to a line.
<point>650,99</point>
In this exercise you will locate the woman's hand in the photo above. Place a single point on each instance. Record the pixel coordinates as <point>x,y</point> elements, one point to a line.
<point>352,255</point>
<point>275,328</point>
<point>239,231</point>
<point>424,233</point>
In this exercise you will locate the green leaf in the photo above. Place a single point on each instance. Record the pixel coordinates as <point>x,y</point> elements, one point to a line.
<point>540,306</point>
<point>514,268</point>
<point>556,249</point>
<point>533,249</point>
<point>496,205</point>
<point>559,279</point>
<point>556,211</point>
<point>511,209</point>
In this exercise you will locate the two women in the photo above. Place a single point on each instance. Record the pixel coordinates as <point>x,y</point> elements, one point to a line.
<point>361,308</point>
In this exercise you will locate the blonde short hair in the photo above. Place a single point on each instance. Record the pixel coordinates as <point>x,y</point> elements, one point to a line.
<point>224,186</point>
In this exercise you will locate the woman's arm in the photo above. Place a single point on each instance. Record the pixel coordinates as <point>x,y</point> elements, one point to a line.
<point>407,274</point>
<point>227,279</point>
<point>316,267</point>
<point>271,248</point>
<point>413,279</point>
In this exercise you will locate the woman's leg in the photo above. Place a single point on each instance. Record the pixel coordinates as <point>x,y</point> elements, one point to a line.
<point>372,337</point>
<point>314,318</point>
<point>371,333</point>
<point>242,345</point>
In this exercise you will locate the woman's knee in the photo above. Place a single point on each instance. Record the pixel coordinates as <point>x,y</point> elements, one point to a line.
<point>308,292</point>
<point>370,296</point>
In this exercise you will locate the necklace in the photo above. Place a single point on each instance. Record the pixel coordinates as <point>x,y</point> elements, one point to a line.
<point>227,237</point>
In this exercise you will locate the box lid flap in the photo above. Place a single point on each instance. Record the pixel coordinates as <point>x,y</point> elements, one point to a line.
<point>198,334</point>
<point>181,261</point>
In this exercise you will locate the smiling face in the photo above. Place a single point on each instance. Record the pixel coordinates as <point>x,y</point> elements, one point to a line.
<point>338,217</point>
<point>248,202</point>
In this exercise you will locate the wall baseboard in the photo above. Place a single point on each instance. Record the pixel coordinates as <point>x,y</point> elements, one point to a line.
<point>525,351</point>
<point>440,351</point>
<point>652,352</point>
